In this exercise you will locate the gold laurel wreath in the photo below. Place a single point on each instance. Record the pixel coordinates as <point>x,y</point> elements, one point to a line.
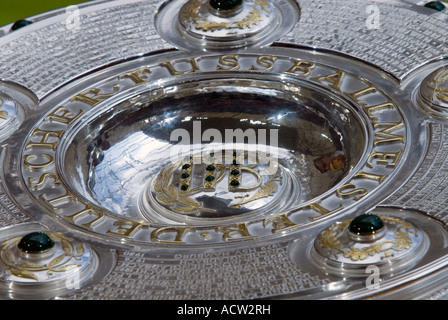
<point>167,194</point>
<point>441,92</point>
<point>26,269</point>
<point>329,240</point>
<point>3,113</point>
<point>201,23</point>
<point>267,190</point>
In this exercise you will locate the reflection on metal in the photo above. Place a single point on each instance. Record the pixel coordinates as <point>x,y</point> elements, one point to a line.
<point>63,267</point>
<point>248,143</point>
<point>403,237</point>
<point>191,11</point>
<point>434,93</point>
<point>255,22</point>
<point>65,260</point>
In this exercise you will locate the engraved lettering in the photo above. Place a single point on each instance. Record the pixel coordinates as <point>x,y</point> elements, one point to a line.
<point>370,109</point>
<point>38,183</point>
<point>360,93</point>
<point>87,211</point>
<point>321,210</point>
<point>370,176</point>
<point>360,193</point>
<point>334,79</point>
<point>228,62</point>
<point>384,136</point>
<point>304,67</point>
<point>267,62</point>
<point>239,231</point>
<point>35,161</point>
<point>45,136</point>
<point>99,216</point>
<point>192,61</point>
<point>126,228</point>
<point>178,231</point>
<point>138,76</point>
<point>93,96</point>
<point>63,115</point>
<point>59,200</point>
<point>388,159</point>
<point>280,222</point>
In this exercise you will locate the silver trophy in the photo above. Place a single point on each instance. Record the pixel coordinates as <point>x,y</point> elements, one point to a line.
<point>212,149</point>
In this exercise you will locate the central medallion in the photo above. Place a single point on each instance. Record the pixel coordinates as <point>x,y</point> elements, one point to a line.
<point>225,184</point>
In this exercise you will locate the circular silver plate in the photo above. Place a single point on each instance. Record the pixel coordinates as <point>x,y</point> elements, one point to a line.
<point>175,150</point>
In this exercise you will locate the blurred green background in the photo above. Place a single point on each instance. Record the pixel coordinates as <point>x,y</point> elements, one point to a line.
<point>13,10</point>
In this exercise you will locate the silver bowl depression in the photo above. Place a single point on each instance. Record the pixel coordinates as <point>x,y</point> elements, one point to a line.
<point>113,156</point>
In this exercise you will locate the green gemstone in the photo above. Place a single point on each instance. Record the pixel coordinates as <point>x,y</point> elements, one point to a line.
<point>185,175</point>
<point>186,166</point>
<point>36,242</point>
<point>225,4</point>
<point>20,24</point>
<point>235,172</point>
<point>436,5</point>
<point>234,183</point>
<point>209,178</point>
<point>366,225</point>
<point>210,168</point>
<point>184,187</point>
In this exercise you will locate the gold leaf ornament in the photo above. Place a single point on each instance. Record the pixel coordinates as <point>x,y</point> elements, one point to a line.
<point>168,195</point>
<point>201,23</point>
<point>55,261</point>
<point>80,250</point>
<point>329,239</point>
<point>23,273</point>
<point>440,86</point>
<point>66,268</point>
<point>355,254</point>
<point>442,94</point>
<point>29,270</point>
<point>267,190</point>
<point>3,114</point>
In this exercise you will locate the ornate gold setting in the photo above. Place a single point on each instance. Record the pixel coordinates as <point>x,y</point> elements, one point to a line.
<point>3,114</point>
<point>440,85</point>
<point>330,239</point>
<point>192,12</point>
<point>433,95</point>
<point>67,259</point>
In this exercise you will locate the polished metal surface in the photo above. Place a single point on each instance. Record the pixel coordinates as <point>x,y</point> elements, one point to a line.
<point>261,150</point>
